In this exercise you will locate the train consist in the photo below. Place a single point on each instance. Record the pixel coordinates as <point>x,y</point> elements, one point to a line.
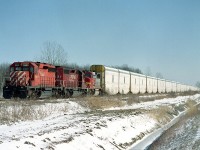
<point>30,79</point>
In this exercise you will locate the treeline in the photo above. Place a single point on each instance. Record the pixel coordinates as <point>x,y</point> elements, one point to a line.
<point>4,72</point>
<point>128,68</point>
<point>76,66</point>
<point>87,67</point>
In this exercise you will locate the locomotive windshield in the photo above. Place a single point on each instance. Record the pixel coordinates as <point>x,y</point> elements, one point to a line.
<point>24,68</point>
<point>21,69</point>
<point>18,69</point>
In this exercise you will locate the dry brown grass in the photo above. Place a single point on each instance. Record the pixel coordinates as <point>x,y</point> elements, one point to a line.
<point>15,111</point>
<point>190,103</point>
<point>101,102</point>
<point>163,114</point>
<point>192,108</point>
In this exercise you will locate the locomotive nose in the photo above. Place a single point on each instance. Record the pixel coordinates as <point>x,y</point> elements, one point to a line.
<point>19,78</point>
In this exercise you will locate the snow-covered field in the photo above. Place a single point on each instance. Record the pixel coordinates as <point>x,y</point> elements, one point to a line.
<point>78,127</point>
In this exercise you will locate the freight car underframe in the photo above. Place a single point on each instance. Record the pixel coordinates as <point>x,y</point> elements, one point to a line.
<point>35,92</point>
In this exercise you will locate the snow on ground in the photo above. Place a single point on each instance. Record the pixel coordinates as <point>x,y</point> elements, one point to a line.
<point>157,103</point>
<point>80,128</point>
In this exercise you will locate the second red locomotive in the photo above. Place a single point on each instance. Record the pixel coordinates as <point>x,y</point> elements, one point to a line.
<point>30,79</point>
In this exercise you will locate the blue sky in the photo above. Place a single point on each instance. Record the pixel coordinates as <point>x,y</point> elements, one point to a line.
<point>163,35</point>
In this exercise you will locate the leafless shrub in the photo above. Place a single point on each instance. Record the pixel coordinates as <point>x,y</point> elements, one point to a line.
<point>188,93</point>
<point>192,108</point>
<point>172,94</point>
<point>179,108</point>
<point>163,114</point>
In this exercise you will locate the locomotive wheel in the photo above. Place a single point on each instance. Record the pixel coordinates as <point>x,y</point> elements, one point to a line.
<point>23,94</point>
<point>56,94</point>
<point>7,94</point>
<point>92,92</point>
<point>63,94</point>
<point>71,93</point>
<point>38,94</point>
<point>68,93</point>
<point>84,92</point>
<point>34,94</point>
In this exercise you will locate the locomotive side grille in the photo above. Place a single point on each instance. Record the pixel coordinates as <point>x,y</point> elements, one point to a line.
<point>18,78</point>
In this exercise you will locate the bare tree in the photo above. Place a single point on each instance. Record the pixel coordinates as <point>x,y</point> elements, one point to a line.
<point>128,68</point>
<point>159,75</point>
<point>198,84</point>
<point>148,71</point>
<point>86,67</point>
<point>73,66</point>
<point>76,66</point>
<point>53,53</point>
<point>4,72</point>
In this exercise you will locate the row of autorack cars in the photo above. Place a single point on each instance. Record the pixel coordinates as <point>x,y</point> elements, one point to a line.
<point>114,81</point>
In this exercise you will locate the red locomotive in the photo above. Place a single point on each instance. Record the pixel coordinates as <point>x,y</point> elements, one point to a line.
<point>70,80</point>
<point>30,79</point>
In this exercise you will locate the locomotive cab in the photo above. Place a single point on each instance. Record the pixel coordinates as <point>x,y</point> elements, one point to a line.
<point>89,79</point>
<point>18,81</point>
